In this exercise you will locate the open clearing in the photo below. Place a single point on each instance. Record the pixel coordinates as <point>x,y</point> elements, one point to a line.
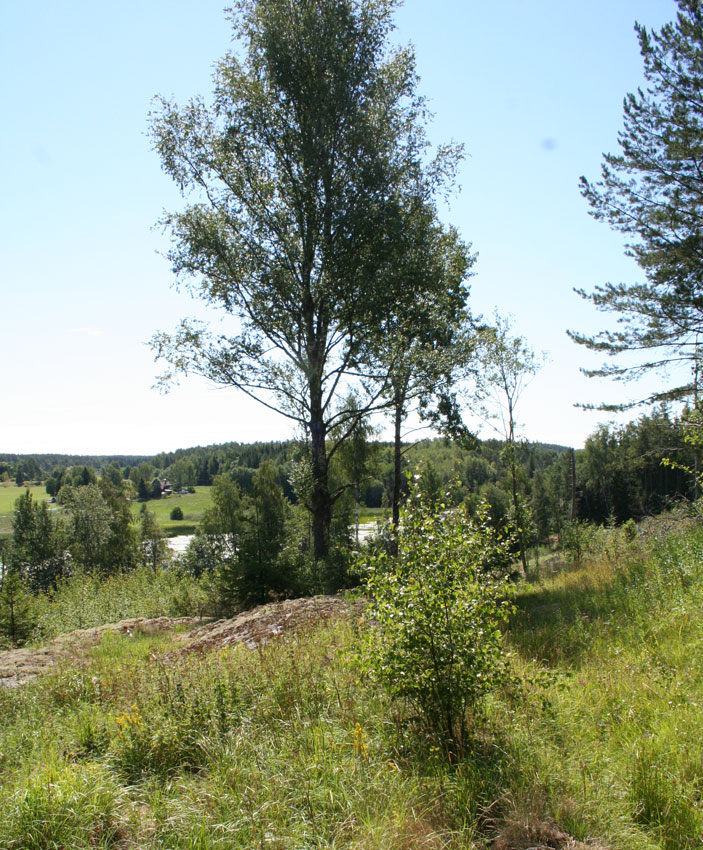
<point>8,496</point>
<point>193,506</point>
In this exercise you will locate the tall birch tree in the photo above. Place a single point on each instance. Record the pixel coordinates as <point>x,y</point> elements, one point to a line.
<point>297,171</point>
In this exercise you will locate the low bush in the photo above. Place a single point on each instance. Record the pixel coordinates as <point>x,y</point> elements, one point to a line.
<point>438,606</point>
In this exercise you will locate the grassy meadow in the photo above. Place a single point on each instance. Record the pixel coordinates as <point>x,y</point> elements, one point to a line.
<point>617,750</point>
<point>9,493</point>
<point>373,514</point>
<point>193,506</point>
<point>598,738</point>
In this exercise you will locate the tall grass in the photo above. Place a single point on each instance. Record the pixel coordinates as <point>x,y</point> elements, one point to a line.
<point>599,735</point>
<point>86,599</point>
<point>616,748</point>
<point>62,805</point>
<point>279,747</point>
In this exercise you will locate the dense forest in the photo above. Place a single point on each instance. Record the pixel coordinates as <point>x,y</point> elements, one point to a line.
<point>622,473</point>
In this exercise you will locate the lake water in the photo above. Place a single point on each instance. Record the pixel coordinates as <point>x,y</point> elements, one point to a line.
<point>179,544</point>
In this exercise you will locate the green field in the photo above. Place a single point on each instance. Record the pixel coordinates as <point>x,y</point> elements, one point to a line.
<point>193,506</point>
<point>371,514</point>
<point>8,497</point>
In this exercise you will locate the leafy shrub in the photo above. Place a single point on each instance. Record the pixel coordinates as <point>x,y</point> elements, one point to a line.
<point>630,530</point>
<point>177,513</point>
<point>439,605</point>
<point>575,538</point>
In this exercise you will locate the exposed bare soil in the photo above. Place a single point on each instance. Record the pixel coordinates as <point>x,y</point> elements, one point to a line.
<point>251,628</point>
<point>19,665</point>
<point>265,622</point>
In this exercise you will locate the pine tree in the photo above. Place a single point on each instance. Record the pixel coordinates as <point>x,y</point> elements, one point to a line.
<point>652,192</point>
<point>37,547</point>
<point>16,620</point>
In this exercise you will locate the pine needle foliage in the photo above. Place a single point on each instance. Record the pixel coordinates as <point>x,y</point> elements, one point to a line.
<point>652,192</point>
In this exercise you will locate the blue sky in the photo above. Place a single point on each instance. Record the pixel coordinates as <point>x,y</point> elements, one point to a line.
<point>533,89</point>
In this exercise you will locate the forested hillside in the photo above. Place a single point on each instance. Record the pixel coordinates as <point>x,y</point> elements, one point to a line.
<point>620,474</point>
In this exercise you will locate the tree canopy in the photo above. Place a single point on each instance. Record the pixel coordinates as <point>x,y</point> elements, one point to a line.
<point>652,191</point>
<point>426,344</point>
<point>299,169</point>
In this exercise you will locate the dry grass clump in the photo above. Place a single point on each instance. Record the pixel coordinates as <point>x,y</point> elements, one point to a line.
<point>527,834</point>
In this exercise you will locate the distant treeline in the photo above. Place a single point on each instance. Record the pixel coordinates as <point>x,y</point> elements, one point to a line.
<point>38,465</point>
<point>619,474</point>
